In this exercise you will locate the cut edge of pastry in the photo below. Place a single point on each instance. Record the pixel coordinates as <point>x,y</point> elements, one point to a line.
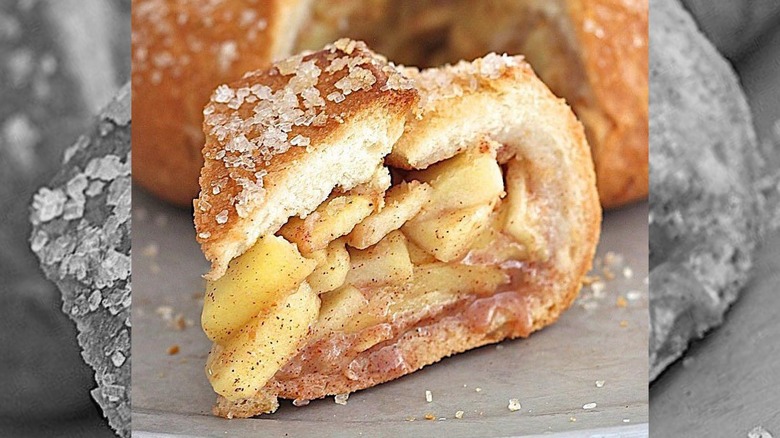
<point>494,109</point>
<point>341,140</point>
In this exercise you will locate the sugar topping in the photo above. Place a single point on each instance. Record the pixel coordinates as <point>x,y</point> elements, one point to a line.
<point>452,81</point>
<point>269,112</point>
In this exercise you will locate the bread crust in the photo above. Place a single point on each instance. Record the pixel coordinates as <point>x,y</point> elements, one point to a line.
<point>181,50</point>
<point>509,103</point>
<point>250,193</point>
<point>620,137</point>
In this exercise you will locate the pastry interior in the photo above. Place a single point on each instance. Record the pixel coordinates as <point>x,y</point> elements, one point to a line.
<point>474,223</point>
<point>373,264</point>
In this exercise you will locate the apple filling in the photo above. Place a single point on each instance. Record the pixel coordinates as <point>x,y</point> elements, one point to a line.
<point>331,294</point>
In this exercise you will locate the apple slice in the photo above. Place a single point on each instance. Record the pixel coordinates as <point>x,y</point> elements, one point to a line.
<point>440,283</point>
<point>245,363</point>
<point>332,267</point>
<point>402,203</point>
<point>336,217</point>
<point>261,277</point>
<point>466,180</point>
<point>449,236</point>
<point>342,310</point>
<point>386,263</point>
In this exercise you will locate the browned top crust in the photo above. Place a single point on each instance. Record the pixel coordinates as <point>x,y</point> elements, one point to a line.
<point>259,129</point>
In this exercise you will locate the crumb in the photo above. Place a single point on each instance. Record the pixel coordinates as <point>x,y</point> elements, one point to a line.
<point>598,289</point>
<point>300,402</point>
<point>624,323</point>
<point>499,347</point>
<point>590,279</point>
<point>514,405</point>
<point>633,295</point>
<point>626,420</point>
<point>612,259</point>
<point>179,322</point>
<point>173,349</point>
<point>341,399</point>
<point>459,415</point>
<point>628,272</point>
<point>410,418</point>
<point>572,419</point>
<point>165,312</point>
<point>608,274</point>
<point>589,406</point>
<point>478,389</point>
<point>599,383</point>
<point>428,396</point>
<point>621,302</point>
<point>430,416</point>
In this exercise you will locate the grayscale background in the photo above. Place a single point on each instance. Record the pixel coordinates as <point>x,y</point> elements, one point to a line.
<point>726,384</point>
<point>61,61</point>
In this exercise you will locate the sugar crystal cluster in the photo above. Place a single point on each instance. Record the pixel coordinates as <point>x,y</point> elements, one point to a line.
<point>453,81</point>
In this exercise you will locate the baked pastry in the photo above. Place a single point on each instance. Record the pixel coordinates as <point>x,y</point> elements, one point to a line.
<point>704,211</point>
<point>591,52</point>
<point>364,221</point>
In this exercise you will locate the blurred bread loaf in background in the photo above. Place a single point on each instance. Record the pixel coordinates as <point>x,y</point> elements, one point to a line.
<point>591,52</point>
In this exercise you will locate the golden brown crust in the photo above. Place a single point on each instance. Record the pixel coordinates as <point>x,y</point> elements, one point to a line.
<point>182,49</point>
<point>613,42</point>
<point>507,102</point>
<point>266,136</point>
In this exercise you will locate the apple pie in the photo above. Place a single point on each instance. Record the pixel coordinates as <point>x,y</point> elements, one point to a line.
<point>364,220</point>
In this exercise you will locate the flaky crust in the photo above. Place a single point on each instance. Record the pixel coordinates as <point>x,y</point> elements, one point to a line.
<point>704,211</point>
<point>256,176</point>
<point>181,50</point>
<point>499,97</point>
